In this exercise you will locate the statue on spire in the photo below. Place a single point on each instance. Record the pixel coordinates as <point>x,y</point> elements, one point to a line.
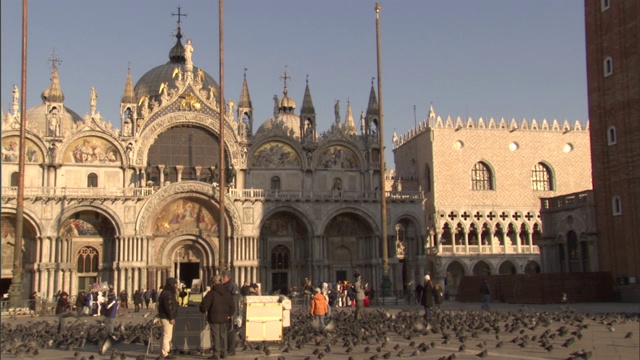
<point>93,101</point>
<point>336,109</point>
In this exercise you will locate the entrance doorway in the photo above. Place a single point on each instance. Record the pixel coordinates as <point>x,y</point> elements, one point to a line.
<point>187,272</point>
<point>280,283</point>
<point>341,275</point>
<point>85,282</point>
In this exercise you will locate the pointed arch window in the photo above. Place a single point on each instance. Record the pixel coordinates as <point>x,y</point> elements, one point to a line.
<point>280,258</point>
<point>88,260</point>
<point>275,183</point>
<point>541,178</point>
<point>481,176</point>
<point>92,180</point>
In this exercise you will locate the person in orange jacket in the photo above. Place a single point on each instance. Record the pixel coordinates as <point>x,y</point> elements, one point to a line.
<point>319,308</point>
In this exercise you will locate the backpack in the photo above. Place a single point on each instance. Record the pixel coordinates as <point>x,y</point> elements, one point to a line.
<point>351,293</point>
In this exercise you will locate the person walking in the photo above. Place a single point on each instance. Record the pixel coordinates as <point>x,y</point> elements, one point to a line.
<point>110,310</point>
<point>359,296</point>
<point>147,297</point>
<point>426,300</point>
<point>81,302</point>
<point>234,289</point>
<point>168,312</point>
<point>33,299</point>
<point>486,295</point>
<point>319,309</point>
<point>218,305</point>
<point>124,302</point>
<point>62,310</point>
<point>137,301</point>
<point>307,291</point>
<point>325,292</point>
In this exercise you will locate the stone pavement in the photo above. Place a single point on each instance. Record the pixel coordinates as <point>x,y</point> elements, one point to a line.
<point>604,337</point>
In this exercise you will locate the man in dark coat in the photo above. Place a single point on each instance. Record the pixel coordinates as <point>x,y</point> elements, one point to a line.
<point>234,289</point>
<point>62,310</point>
<point>426,300</point>
<point>218,304</point>
<point>168,312</point>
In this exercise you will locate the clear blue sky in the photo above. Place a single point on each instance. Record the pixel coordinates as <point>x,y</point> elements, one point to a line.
<point>491,58</point>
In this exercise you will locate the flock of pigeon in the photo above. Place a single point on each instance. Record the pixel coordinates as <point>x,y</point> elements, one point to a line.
<point>381,334</point>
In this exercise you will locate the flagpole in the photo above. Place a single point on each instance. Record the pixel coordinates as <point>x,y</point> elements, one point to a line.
<point>386,279</point>
<point>16,295</point>
<point>222,240</point>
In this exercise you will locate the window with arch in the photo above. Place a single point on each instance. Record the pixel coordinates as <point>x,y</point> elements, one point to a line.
<point>612,135</point>
<point>14,179</point>
<point>280,258</point>
<point>481,177</point>
<point>608,66</point>
<point>541,178</point>
<point>616,205</point>
<point>88,260</point>
<point>275,183</point>
<point>92,180</point>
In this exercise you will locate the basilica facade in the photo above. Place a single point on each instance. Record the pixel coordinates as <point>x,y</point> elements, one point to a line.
<point>135,204</point>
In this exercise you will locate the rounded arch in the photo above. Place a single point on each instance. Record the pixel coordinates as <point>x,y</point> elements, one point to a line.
<point>28,216</point>
<point>368,218</point>
<point>482,268</point>
<point>338,155</point>
<point>91,147</point>
<point>532,267</point>
<point>455,270</point>
<point>284,221</point>
<point>507,268</point>
<point>154,127</point>
<point>206,250</point>
<point>542,176</point>
<point>56,223</point>
<point>276,152</point>
<point>185,189</point>
<point>36,150</point>
<point>483,176</point>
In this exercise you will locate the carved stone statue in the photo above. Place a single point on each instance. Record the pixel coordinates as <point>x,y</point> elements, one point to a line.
<point>94,100</point>
<point>336,109</point>
<point>188,52</point>
<point>54,123</point>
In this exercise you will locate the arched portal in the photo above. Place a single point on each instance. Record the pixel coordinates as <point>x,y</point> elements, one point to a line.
<point>285,252</point>
<point>8,231</point>
<point>190,258</point>
<point>481,268</point>
<point>353,235</point>
<point>455,272</point>
<point>507,268</point>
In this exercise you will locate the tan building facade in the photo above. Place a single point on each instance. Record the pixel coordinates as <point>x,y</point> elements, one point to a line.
<point>483,180</point>
<point>134,205</point>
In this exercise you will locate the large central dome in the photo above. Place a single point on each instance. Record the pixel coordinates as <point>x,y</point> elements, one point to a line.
<point>149,83</point>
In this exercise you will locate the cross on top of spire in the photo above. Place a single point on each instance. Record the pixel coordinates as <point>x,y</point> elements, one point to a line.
<point>54,60</point>
<point>285,76</point>
<point>179,15</point>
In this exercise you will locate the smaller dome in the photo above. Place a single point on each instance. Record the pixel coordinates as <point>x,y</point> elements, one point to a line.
<point>286,121</point>
<point>286,103</point>
<point>37,116</point>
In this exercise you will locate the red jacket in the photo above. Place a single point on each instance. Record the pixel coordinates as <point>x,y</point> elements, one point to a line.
<point>319,305</point>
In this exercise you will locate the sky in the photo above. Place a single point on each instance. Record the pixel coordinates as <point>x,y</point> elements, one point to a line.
<point>468,58</point>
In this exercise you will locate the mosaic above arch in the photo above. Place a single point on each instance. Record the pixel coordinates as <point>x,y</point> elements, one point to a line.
<point>183,214</point>
<point>348,225</point>
<point>338,157</point>
<point>92,150</point>
<point>87,223</point>
<point>276,154</point>
<point>283,224</point>
<point>10,151</point>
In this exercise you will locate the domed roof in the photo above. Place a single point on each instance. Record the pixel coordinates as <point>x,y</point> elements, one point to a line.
<point>149,83</point>
<point>284,120</point>
<point>37,117</point>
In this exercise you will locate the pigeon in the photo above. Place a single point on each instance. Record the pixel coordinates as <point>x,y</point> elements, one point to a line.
<point>483,354</point>
<point>629,335</point>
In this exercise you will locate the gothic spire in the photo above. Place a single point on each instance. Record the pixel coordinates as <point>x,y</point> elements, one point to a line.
<point>128,96</point>
<point>350,125</point>
<point>307,103</point>
<point>373,109</point>
<point>245,99</point>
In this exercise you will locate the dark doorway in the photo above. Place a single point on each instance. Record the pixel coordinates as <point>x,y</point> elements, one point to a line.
<point>85,282</point>
<point>188,272</point>
<point>279,282</point>
<point>5,284</point>
<point>341,275</point>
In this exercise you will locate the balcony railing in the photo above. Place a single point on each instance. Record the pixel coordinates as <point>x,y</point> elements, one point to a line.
<point>285,195</point>
<point>482,249</point>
